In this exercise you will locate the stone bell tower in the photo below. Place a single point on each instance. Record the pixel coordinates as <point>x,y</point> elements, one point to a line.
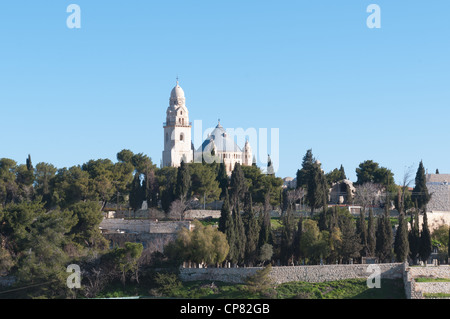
<point>177,131</point>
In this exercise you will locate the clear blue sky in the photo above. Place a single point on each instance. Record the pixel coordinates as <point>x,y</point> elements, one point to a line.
<point>313,69</point>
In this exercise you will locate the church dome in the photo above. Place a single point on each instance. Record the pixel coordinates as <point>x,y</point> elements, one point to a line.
<point>177,92</point>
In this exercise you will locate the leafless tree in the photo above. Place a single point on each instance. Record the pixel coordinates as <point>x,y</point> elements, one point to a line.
<point>293,196</point>
<point>178,209</point>
<point>406,181</point>
<point>367,194</point>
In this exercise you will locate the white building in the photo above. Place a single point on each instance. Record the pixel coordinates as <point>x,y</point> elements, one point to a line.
<point>177,131</point>
<point>178,143</point>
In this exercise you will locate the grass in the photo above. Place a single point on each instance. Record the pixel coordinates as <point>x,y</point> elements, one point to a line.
<point>429,279</point>
<point>343,289</point>
<point>436,295</point>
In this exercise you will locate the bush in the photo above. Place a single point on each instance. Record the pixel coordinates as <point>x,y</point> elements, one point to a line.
<point>168,283</point>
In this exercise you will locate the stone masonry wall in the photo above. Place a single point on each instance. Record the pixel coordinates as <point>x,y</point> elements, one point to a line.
<point>292,273</point>
<point>143,226</point>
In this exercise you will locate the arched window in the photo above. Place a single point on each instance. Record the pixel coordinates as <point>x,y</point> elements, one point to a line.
<point>182,137</point>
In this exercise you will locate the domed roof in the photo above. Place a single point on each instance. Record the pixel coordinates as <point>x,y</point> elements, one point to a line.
<point>220,140</point>
<point>177,92</point>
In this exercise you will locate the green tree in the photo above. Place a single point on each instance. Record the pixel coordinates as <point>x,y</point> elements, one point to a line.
<point>70,186</point>
<point>425,240</point>
<point>420,192</point>
<point>8,186</point>
<point>351,246</point>
<point>362,232</point>
<point>204,245</point>
<point>44,173</point>
<point>384,238</point>
<point>401,243</point>
<point>86,231</point>
<point>203,182</point>
<point>303,174</point>
<point>252,230</point>
<point>240,240</point>
<point>222,178</point>
<point>137,195</point>
<point>414,236</point>
<point>183,184</point>
<point>238,186</point>
<point>260,282</point>
<point>126,258</point>
<point>317,193</point>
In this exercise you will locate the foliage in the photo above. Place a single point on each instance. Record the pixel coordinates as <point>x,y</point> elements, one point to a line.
<point>260,282</point>
<point>204,244</point>
<point>420,194</point>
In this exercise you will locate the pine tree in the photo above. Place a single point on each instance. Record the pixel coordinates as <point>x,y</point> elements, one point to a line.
<point>183,182</point>
<point>401,244</point>
<point>371,239</point>
<point>420,192</point>
<point>425,247</point>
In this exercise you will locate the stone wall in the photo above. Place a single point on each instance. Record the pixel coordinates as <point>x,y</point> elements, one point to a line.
<point>143,226</point>
<point>151,242</point>
<point>292,273</point>
<point>200,214</point>
<point>415,290</point>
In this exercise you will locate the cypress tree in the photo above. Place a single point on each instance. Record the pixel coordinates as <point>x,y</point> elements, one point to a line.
<point>239,235</point>
<point>222,178</point>
<point>287,237</point>
<point>224,212</point>
<point>183,182</point>
<point>341,170</point>
<point>401,244</point>
<point>362,232</point>
<point>425,247</point>
<point>29,164</point>
<point>420,192</point>
<point>384,237</point>
<point>238,186</point>
<point>136,193</point>
<point>350,246</point>
<point>414,236</point>
<point>317,190</point>
<point>303,174</point>
<point>298,254</point>
<point>371,239</point>
<point>251,231</point>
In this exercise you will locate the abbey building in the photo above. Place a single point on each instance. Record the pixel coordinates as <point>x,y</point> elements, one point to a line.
<point>178,146</point>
